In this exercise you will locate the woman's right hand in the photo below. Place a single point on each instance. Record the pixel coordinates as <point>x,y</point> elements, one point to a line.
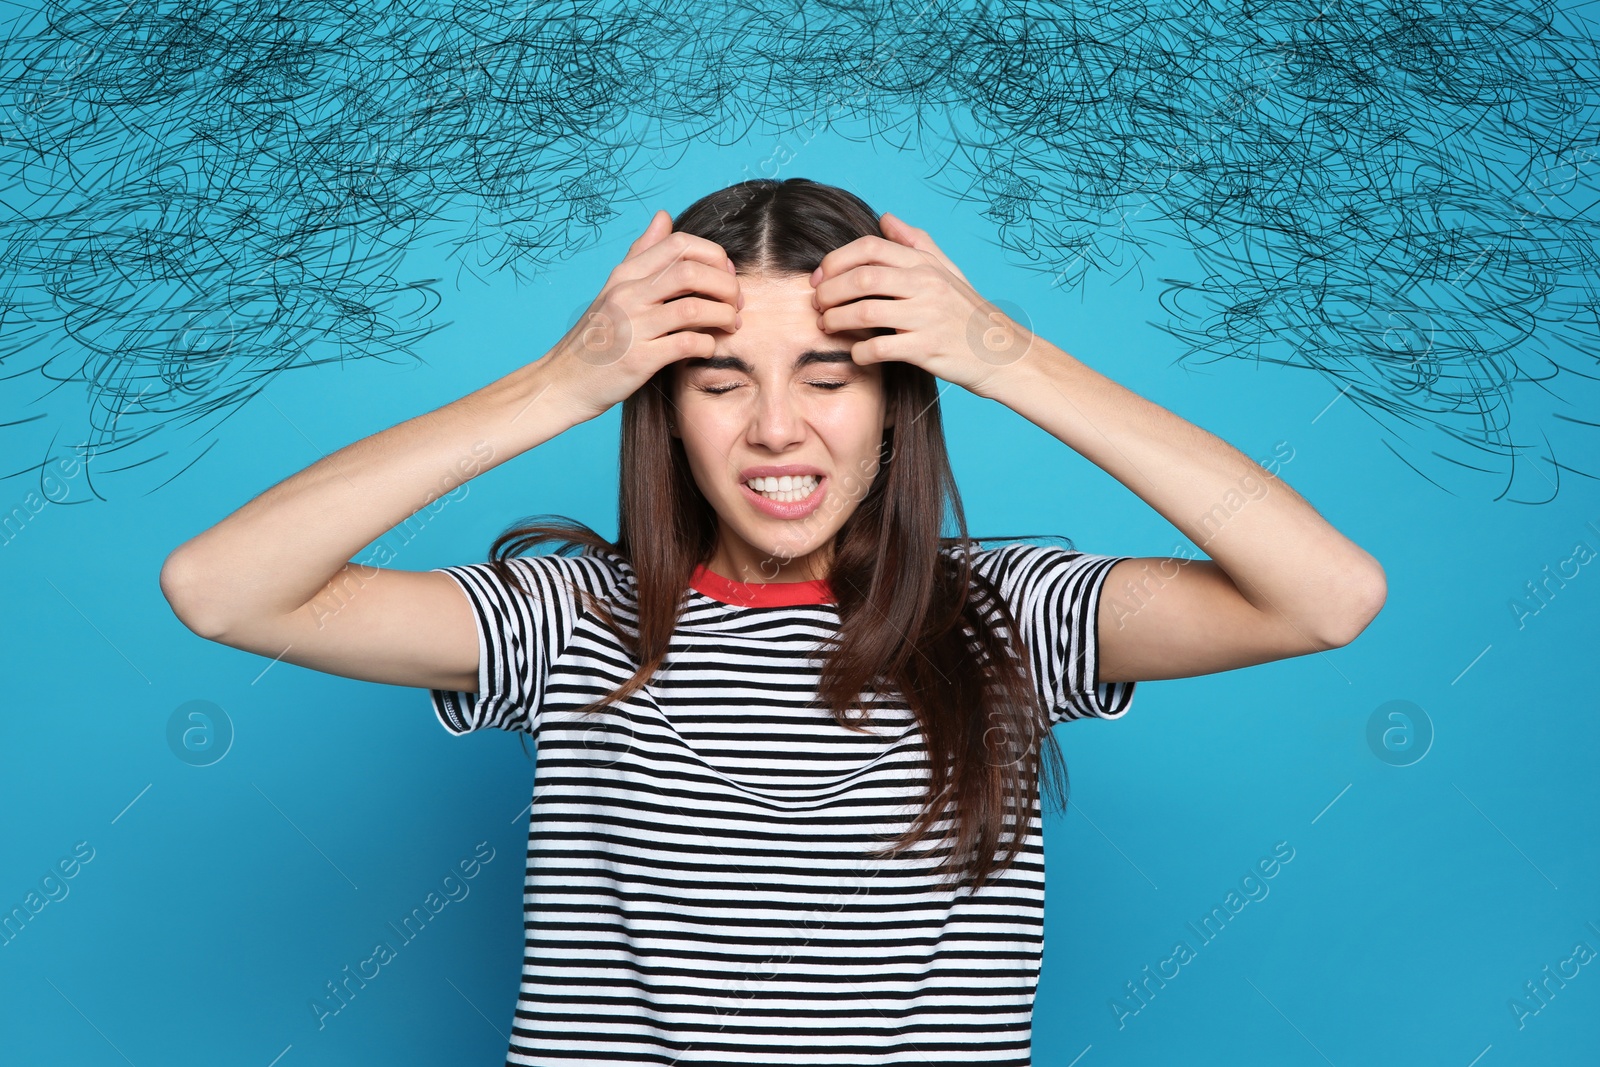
<point>654,309</point>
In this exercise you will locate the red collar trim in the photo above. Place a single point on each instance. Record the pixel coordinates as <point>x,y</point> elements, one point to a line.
<point>760,594</point>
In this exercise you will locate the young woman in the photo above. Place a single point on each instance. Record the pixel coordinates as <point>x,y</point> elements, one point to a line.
<point>789,737</point>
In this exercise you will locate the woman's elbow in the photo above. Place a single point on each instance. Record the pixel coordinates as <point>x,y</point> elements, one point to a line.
<point>1368,594</point>
<point>183,589</point>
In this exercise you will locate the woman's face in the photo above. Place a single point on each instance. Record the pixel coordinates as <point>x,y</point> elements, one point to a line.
<point>779,394</point>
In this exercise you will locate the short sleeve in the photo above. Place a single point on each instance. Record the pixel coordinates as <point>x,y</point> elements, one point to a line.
<point>1054,593</point>
<point>520,633</point>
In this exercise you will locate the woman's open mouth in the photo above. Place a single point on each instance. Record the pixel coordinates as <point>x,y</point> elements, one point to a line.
<point>799,499</point>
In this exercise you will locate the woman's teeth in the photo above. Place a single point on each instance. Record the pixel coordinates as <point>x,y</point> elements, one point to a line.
<point>785,490</point>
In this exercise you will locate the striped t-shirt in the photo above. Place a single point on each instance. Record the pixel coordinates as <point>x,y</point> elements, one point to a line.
<point>699,887</point>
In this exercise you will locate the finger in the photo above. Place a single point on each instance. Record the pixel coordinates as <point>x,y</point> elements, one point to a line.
<point>695,313</point>
<point>660,226</point>
<point>671,249</point>
<point>906,234</point>
<point>880,348</point>
<point>868,249</point>
<point>868,280</point>
<point>912,237</point>
<point>866,284</point>
<point>868,314</point>
<point>909,235</point>
<point>689,277</point>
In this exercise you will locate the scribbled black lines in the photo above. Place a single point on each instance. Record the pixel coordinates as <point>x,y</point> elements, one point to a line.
<point>197,196</point>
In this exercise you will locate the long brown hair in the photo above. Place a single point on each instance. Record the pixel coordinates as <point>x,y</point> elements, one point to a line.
<point>911,621</point>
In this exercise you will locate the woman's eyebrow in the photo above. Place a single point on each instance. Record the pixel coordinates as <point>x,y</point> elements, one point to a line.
<point>731,362</point>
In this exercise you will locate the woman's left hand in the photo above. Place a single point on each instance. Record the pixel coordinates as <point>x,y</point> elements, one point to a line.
<point>906,284</point>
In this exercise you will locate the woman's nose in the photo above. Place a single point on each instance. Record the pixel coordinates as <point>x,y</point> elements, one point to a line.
<point>776,422</point>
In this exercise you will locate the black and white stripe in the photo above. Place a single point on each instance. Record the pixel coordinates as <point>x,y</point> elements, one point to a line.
<point>699,888</point>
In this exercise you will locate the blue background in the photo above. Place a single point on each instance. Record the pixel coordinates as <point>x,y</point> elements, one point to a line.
<point>221,899</point>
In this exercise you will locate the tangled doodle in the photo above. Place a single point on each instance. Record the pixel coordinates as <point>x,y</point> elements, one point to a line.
<point>198,195</point>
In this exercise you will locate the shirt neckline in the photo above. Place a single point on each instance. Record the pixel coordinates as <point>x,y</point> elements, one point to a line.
<point>760,594</point>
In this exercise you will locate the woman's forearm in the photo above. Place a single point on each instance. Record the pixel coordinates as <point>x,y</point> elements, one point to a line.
<point>1283,557</point>
<point>277,552</point>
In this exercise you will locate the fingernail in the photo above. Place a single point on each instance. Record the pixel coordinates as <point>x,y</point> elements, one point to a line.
<point>731,269</point>
<point>816,276</point>
<point>738,320</point>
